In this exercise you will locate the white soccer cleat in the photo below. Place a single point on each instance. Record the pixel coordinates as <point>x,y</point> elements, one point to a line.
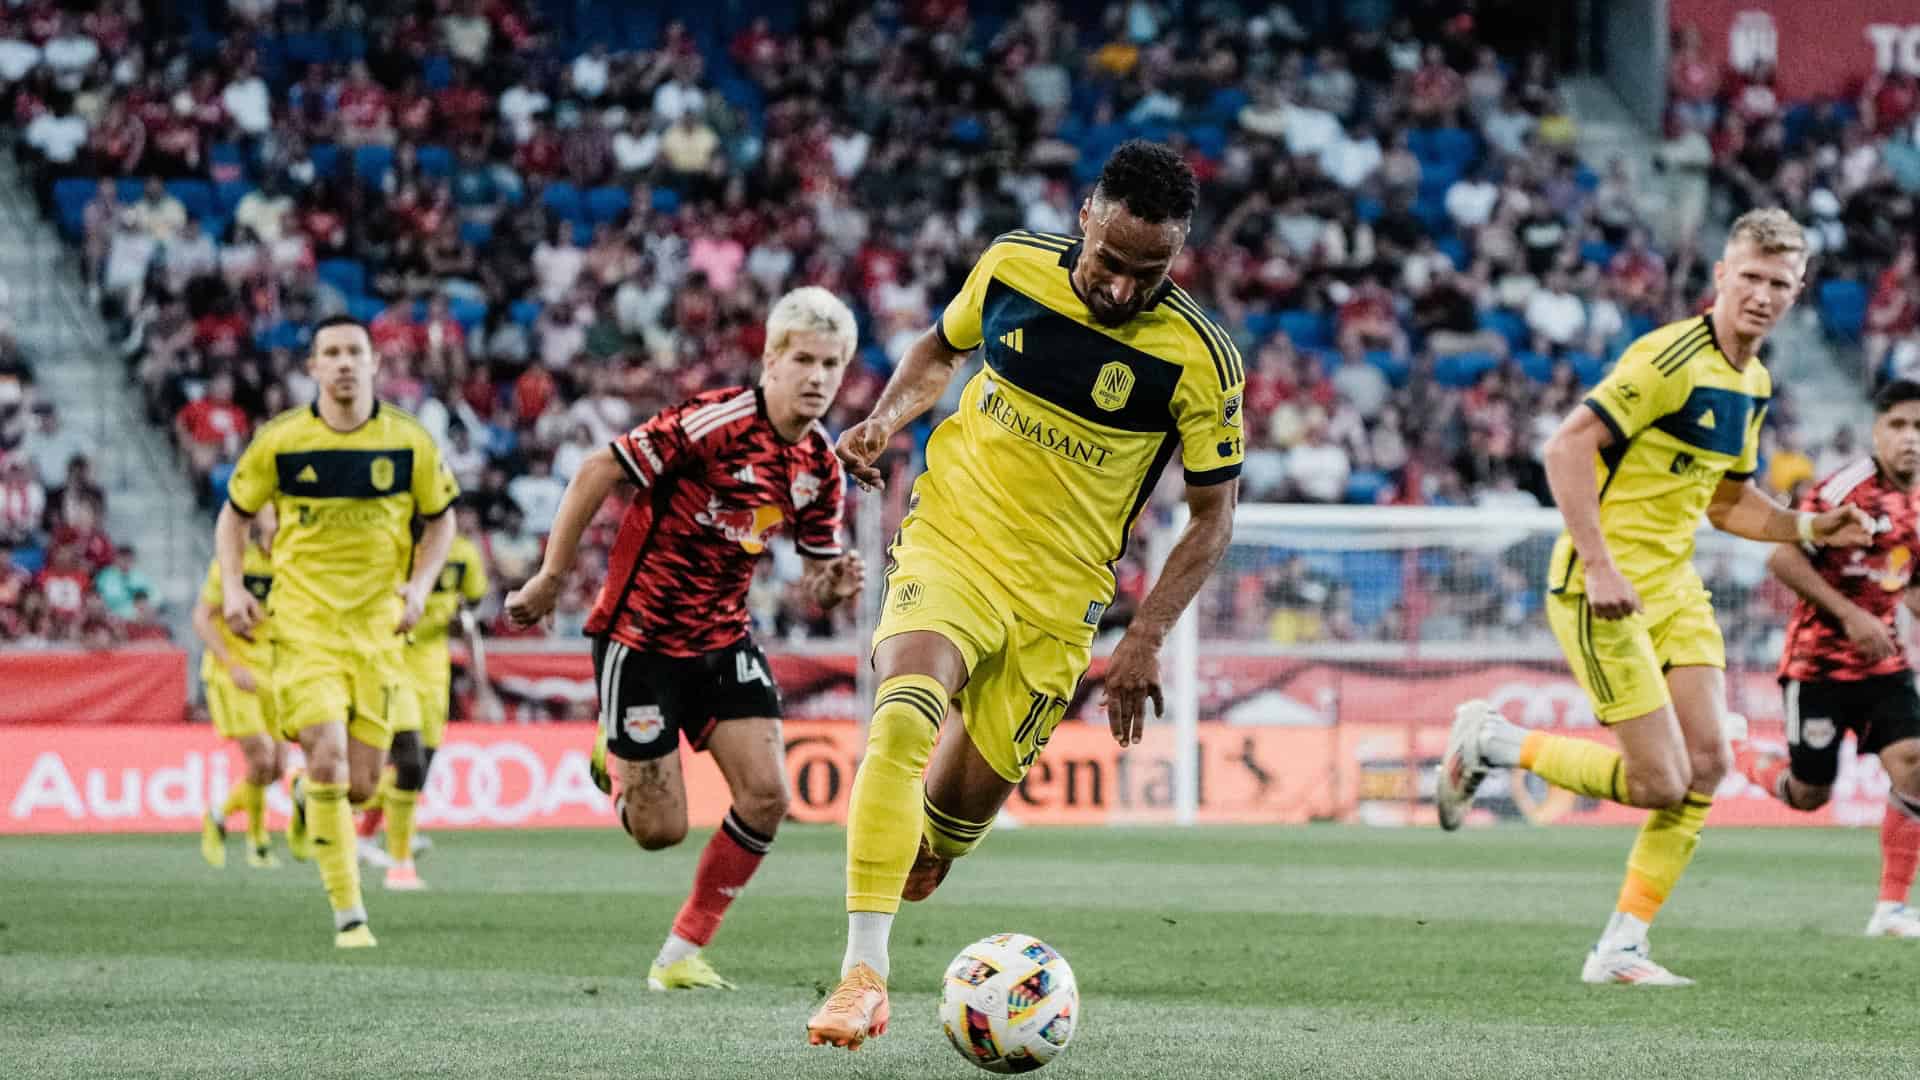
<point>374,853</point>
<point>1463,767</point>
<point>1894,920</point>
<point>1734,727</point>
<point>1628,966</point>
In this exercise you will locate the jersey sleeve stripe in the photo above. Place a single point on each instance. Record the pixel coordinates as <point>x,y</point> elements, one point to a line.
<point>1606,418</point>
<point>1033,239</point>
<point>1035,244</point>
<point>241,510</point>
<point>1841,484</point>
<point>1681,349</point>
<point>1231,355</point>
<point>706,423</point>
<point>833,552</point>
<point>1213,476</point>
<point>1219,365</point>
<point>627,463</point>
<point>940,331</point>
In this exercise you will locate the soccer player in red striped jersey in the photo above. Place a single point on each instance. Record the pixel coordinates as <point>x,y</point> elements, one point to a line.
<point>715,479</point>
<point>1843,668</point>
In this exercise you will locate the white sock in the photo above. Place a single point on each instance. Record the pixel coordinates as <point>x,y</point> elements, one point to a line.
<point>867,933</point>
<point>675,950</point>
<point>1886,907</point>
<point>1623,931</point>
<point>1500,742</point>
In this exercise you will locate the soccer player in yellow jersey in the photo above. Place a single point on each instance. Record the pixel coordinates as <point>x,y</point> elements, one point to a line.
<point>1669,436</point>
<point>1097,369</point>
<point>429,667</point>
<point>239,699</point>
<point>346,476</point>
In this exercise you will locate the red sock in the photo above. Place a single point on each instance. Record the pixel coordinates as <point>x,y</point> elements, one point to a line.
<point>1763,769</point>
<point>1899,848</point>
<point>729,860</point>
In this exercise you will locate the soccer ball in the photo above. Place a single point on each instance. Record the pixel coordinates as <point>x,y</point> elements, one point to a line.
<point>1009,1003</point>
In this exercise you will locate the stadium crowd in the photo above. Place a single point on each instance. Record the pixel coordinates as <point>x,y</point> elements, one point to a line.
<point>549,244</point>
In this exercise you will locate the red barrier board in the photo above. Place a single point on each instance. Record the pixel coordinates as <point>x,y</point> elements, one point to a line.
<point>1824,48</point>
<point>120,686</point>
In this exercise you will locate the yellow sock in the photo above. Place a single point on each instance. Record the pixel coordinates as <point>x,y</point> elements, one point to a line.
<point>1660,854</point>
<point>236,802</point>
<point>884,812</point>
<point>1581,766</point>
<point>951,837</point>
<point>400,806</point>
<point>253,799</point>
<point>330,823</point>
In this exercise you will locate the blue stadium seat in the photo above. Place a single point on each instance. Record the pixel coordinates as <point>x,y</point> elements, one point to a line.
<point>29,559</point>
<point>226,161</point>
<point>666,201</point>
<point>437,72</point>
<point>1261,324</point>
<point>1510,324</point>
<point>228,193</point>
<point>1367,209</point>
<point>370,164</point>
<point>469,313</point>
<point>1538,368</point>
<point>435,161</point>
<point>1597,252</point>
<point>525,312</point>
<point>1396,370</point>
<point>1843,308</point>
<point>1455,249</point>
<point>1307,329</point>
<point>365,308</point>
<point>347,275</point>
<point>1364,488</point>
<point>607,204</point>
<point>477,234</point>
<point>1588,368</point>
<point>564,200</point>
<point>326,160</point>
<point>130,188</point>
<point>1328,359</point>
<point>1376,580</point>
<point>217,478</point>
<point>309,48</point>
<point>195,195</point>
<point>70,199</point>
<point>1463,369</point>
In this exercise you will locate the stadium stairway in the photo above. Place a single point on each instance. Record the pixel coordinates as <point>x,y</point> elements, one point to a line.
<point>78,367</point>
<point>1826,394</point>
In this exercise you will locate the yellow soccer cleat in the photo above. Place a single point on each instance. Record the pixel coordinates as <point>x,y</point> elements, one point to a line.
<point>262,858</point>
<point>358,936</point>
<point>687,973</point>
<point>213,842</point>
<point>299,844</point>
<point>855,1012</point>
<point>597,764</point>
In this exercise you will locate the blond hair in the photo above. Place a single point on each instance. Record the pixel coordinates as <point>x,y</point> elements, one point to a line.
<point>1771,231</point>
<point>810,309</point>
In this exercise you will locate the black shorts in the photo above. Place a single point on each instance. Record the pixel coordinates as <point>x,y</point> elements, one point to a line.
<point>647,701</point>
<point>1880,711</point>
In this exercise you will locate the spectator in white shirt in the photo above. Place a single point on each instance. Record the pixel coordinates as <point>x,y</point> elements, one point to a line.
<point>1556,314</point>
<point>467,32</point>
<point>129,254</point>
<point>679,95</point>
<point>248,100</point>
<point>190,255</point>
<point>1471,199</point>
<point>557,263</point>
<point>1361,384</point>
<point>18,57</point>
<point>58,134</point>
<point>537,491</point>
<point>637,147</point>
<point>1351,159</point>
<point>1317,468</point>
<point>520,105</point>
<point>590,70</point>
<point>69,54</point>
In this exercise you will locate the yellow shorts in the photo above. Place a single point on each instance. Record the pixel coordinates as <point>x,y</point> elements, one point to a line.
<point>360,684</point>
<point>1020,678</point>
<point>1622,663</point>
<point>430,680</point>
<point>236,713</point>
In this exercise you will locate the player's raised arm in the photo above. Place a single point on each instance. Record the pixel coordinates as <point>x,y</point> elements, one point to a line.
<point>923,375</point>
<point>1867,633</point>
<point>1744,510</point>
<point>590,485</point>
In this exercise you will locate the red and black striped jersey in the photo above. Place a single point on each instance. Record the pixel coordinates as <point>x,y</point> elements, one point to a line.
<point>716,482</point>
<point>1875,577</point>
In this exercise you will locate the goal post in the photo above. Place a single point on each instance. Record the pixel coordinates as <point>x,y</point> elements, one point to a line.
<point>1354,615</point>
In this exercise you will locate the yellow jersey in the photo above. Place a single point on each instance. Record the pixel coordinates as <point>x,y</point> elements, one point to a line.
<point>257,572</point>
<point>1683,419</point>
<point>1062,435</point>
<point>464,577</point>
<point>346,501</point>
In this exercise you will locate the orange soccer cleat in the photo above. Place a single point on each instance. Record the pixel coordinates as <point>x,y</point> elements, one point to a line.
<point>929,870</point>
<point>854,1012</point>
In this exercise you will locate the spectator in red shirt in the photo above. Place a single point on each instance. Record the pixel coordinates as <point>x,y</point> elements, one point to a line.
<point>222,331</point>
<point>1438,90</point>
<point>22,502</point>
<point>146,623</point>
<point>397,339</point>
<point>464,108</point>
<point>542,155</point>
<point>82,532</point>
<point>1894,311</point>
<point>364,116</point>
<point>1888,101</point>
<point>212,429</point>
<point>1640,275</point>
<point>67,583</point>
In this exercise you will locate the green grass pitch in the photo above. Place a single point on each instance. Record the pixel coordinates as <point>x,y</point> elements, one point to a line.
<point>1313,952</point>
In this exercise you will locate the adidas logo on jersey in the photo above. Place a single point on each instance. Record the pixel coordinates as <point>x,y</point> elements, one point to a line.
<point>308,476</point>
<point>1015,340</point>
<point>1706,420</point>
<point>744,474</point>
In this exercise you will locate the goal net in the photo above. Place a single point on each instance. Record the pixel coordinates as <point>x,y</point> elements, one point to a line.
<point>1317,673</point>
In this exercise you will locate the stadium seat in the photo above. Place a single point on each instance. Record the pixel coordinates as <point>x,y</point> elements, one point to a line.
<point>226,162</point>
<point>1537,367</point>
<point>437,72</point>
<point>228,193</point>
<point>70,199</point>
<point>130,188</point>
<point>1396,370</point>
<point>467,312</point>
<point>1463,369</point>
<point>1364,488</point>
<point>435,161</point>
<point>1376,580</point>
<point>195,195</point>
<point>1588,368</point>
<point>309,48</point>
<point>525,312</point>
<point>217,478</point>
<point>1367,209</point>
<point>326,160</point>
<point>365,308</point>
<point>1510,325</point>
<point>1843,308</point>
<point>563,199</point>
<point>29,558</point>
<point>371,163</point>
<point>1261,324</point>
<point>1328,359</point>
<point>1307,329</point>
<point>1597,252</point>
<point>347,275</point>
<point>666,201</point>
<point>1455,249</point>
<point>606,204</point>
<point>477,234</point>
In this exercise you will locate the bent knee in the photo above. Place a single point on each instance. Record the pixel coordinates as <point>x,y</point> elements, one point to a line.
<point>1710,766</point>
<point>1806,796</point>
<point>652,832</point>
<point>762,808</point>
<point>1657,789</point>
<point>361,792</point>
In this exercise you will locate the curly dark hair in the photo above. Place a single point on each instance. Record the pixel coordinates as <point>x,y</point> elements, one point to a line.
<point>1150,180</point>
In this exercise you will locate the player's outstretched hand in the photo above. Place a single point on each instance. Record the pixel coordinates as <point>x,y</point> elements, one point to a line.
<point>241,611</point>
<point>1843,526</point>
<point>846,576</point>
<point>413,606</point>
<point>243,679</point>
<point>531,602</point>
<point>1870,636</point>
<point>1133,676</point>
<point>859,447</point>
<point>1609,594</point>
